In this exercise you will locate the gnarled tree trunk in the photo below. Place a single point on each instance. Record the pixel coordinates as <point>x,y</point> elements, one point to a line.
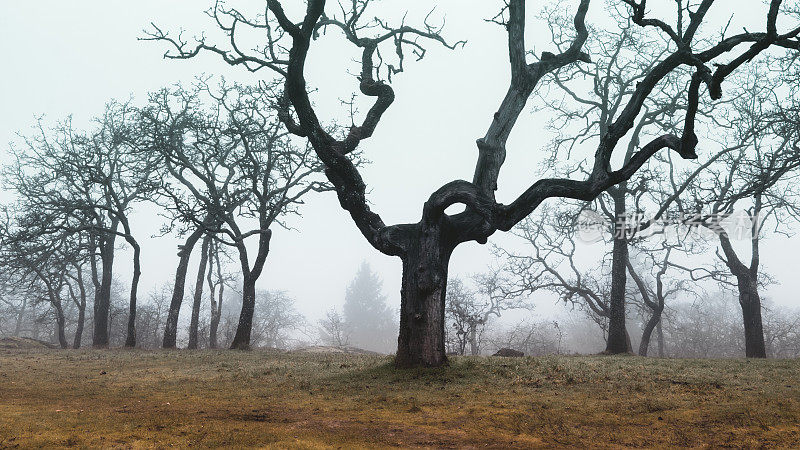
<point>747,284</point>
<point>474,350</point>
<point>422,300</point>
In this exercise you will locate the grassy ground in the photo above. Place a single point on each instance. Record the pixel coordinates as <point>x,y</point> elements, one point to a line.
<point>205,398</point>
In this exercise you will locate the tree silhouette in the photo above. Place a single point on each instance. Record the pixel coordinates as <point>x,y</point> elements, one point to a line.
<point>425,247</point>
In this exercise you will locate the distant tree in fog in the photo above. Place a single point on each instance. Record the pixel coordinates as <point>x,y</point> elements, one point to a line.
<point>551,264</point>
<point>469,308</point>
<point>333,329</point>
<point>151,316</point>
<point>235,172</point>
<point>654,288</point>
<point>87,183</point>
<point>275,319</point>
<point>217,278</point>
<point>749,192</point>
<point>782,332</point>
<point>366,313</point>
<point>534,338</point>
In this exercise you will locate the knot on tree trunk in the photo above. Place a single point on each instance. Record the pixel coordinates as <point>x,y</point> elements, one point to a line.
<point>428,278</point>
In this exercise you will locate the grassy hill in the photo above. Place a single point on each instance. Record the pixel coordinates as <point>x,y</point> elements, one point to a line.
<point>210,398</point>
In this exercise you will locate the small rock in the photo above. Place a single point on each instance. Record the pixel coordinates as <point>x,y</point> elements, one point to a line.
<point>509,352</point>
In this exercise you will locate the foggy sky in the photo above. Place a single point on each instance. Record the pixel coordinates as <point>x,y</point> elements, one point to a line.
<point>64,58</point>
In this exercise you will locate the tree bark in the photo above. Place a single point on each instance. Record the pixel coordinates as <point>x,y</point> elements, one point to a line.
<point>473,340</point>
<point>60,325</point>
<point>76,343</point>
<point>198,294</point>
<point>750,302</point>
<point>20,317</point>
<point>216,306</point>
<point>130,340</point>
<point>185,252</point>
<point>651,325</point>
<point>421,341</point>
<point>661,347</point>
<point>617,334</point>
<point>102,298</point>
<point>241,341</point>
<point>747,284</point>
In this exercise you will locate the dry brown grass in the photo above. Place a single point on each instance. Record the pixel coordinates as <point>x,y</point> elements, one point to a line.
<point>139,399</point>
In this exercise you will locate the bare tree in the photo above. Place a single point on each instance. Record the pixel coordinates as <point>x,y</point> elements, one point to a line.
<point>758,181</point>
<point>425,247</point>
<point>552,265</point>
<point>705,328</point>
<point>333,329</point>
<point>40,264</point>
<point>151,317</point>
<point>198,292</point>
<point>217,279</point>
<point>275,319</point>
<point>782,332</point>
<point>76,285</point>
<point>88,183</point>
<point>655,293</point>
<point>532,338</point>
<point>237,167</point>
<point>469,309</point>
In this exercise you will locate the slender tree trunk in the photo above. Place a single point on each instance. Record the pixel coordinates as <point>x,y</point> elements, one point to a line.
<point>750,302</point>
<point>421,340</point>
<point>617,333</point>
<point>20,317</point>
<point>95,276</point>
<point>473,340</point>
<point>130,340</point>
<point>216,306</point>
<point>216,313</point>
<point>76,343</point>
<point>660,332</point>
<point>185,252</point>
<point>241,340</point>
<point>102,299</point>
<point>651,325</point>
<point>60,325</point>
<point>198,294</point>
<point>81,304</point>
